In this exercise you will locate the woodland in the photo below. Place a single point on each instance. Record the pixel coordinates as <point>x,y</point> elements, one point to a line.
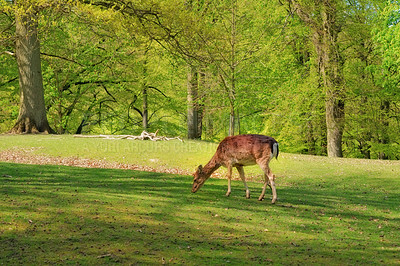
<point>321,77</point>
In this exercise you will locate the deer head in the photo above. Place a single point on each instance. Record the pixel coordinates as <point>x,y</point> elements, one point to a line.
<point>199,177</point>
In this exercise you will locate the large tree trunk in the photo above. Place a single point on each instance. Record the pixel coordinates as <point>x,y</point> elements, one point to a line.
<point>32,113</point>
<point>334,125</point>
<point>331,67</point>
<point>326,29</point>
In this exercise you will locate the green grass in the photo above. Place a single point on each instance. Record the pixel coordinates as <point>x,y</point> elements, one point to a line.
<point>173,154</point>
<point>329,211</point>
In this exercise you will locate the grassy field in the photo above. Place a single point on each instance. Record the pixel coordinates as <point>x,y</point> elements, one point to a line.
<point>329,211</point>
<point>172,154</point>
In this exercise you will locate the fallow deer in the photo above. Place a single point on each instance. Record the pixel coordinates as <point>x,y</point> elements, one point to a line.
<point>239,151</point>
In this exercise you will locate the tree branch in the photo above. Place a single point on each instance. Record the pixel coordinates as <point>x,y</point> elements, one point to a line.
<point>105,88</point>
<point>305,16</point>
<point>10,53</point>
<point>63,58</point>
<point>154,88</point>
<point>9,81</point>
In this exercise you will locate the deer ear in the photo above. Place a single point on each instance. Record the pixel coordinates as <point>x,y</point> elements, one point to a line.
<point>200,168</point>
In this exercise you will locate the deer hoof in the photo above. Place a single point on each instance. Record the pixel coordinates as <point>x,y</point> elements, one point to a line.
<point>227,194</point>
<point>260,198</point>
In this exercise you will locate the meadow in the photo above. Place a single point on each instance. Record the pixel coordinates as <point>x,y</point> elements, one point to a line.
<point>329,211</point>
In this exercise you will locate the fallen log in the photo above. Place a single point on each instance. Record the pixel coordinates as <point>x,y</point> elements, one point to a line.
<point>143,136</point>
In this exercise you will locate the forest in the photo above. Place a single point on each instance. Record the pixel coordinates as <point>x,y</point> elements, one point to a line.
<point>320,76</point>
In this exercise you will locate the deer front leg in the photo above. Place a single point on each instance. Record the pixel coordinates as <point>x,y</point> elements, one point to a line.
<point>229,175</point>
<point>241,173</point>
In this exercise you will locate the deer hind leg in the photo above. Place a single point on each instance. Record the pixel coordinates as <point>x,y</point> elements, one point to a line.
<point>271,178</point>
<point>269,181</point>
<point>241,173</point>
<point>264,188</point>
<point>229,175</point>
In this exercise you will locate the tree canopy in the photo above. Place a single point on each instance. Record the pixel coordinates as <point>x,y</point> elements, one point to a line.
<point>321,77</point>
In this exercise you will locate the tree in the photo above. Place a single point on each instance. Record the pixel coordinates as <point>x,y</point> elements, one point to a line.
<point>100,76</point>
<point>386,73</point>
<point>193,114</point>
<point>121,66</point>
<point>32,113</point>
<point>323,18</point>
<point>239,32</point>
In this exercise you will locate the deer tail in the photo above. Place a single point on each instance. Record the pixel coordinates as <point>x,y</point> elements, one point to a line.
<point>275,150</point>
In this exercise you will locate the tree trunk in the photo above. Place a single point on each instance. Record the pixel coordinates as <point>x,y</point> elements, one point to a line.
<point>192,112</point>
<point>325,33</point>
<point>145,110</point>
<point>233,63</point>
<point>384,137</point>
<point>334,125</point>
<point>331,67</point>
<point>32,113</point>
<point>232,122</point>
<point>200,105</point>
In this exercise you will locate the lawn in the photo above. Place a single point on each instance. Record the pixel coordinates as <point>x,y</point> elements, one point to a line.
<point>163,154</point>
<point>329,211</point>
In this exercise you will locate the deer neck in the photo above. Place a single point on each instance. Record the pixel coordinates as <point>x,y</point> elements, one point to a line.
<point>211,166</point>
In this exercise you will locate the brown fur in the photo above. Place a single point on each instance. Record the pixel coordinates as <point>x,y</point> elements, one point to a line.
<point>239,151</point>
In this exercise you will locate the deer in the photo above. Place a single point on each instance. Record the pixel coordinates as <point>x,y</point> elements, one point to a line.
<point>239,151</point>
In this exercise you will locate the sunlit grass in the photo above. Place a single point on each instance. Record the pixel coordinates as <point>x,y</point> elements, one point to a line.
<point>57,214</point>
<point>189,154</point>
<point>185,155</point>
<point>329,211</point>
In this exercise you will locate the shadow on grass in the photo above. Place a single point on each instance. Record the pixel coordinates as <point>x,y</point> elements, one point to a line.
<point>57,214</point>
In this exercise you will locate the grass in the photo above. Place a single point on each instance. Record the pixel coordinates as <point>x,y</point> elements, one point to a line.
<point>173,154</point>
<point>329,211</point>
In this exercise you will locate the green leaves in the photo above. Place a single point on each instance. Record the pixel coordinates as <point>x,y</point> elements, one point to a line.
<point>255,58</point>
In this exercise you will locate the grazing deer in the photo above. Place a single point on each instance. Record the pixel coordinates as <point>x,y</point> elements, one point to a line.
<point>239,151</point>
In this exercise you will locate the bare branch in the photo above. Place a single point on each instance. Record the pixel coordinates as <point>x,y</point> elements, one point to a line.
<point>154,88</point>
<point>10,53</point>
<point>9,81</point>
<point>63,58</point>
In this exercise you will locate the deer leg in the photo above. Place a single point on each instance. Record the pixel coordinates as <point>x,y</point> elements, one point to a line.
<point>269,184</point>
<point>264,188</point>
<point>229,180</point>
<point>271,178</point>
<point>241,173</point>
<point>270,181</point>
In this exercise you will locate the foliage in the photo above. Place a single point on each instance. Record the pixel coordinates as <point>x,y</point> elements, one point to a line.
<point>385,36</point>
<point>368,125</point>
<point>8,93</point>
<point>98,59</point>
<point>99,85</point>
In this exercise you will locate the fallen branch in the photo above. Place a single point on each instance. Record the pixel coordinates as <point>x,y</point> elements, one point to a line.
<point>144,136</point>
